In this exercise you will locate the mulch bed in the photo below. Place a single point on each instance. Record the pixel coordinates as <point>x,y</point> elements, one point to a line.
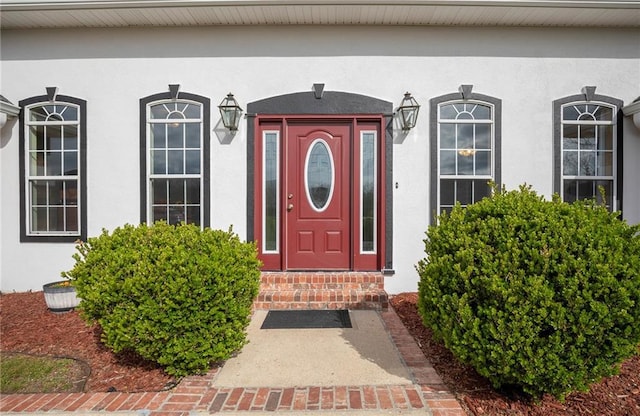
<point>618,395</point>
<point>27,326</point>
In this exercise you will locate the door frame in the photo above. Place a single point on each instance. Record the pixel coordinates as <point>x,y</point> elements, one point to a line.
<point>324,107</point>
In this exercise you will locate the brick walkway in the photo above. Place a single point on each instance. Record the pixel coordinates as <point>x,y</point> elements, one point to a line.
<point>198,393</point>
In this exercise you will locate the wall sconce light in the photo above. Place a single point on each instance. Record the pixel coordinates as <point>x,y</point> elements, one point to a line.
<point>408,110</point>
<point>230,112</point>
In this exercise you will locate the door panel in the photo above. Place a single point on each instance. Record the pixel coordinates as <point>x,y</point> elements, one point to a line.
<point>318,196</point>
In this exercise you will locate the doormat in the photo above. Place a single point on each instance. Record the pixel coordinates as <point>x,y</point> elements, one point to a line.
<point>307,319</point>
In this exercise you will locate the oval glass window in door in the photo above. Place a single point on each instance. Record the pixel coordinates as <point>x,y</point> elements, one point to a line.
<point>319,175</point>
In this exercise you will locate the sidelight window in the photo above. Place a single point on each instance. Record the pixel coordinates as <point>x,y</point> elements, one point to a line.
<point>368,191</point>
<point>270,192</point>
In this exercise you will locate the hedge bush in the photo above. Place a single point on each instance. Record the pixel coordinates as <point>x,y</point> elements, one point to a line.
<point>176,295</point>
<point>540,295</point>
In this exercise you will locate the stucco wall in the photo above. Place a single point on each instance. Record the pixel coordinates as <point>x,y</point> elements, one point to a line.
<point>113,68</point>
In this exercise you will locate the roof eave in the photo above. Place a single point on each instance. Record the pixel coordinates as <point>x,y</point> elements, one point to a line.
<point>43,5</point>
<point>32,14</point>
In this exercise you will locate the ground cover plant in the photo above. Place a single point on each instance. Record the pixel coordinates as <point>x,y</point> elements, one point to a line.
<point>176,295</point>
<point>24,373</point>
<point>543,296</point>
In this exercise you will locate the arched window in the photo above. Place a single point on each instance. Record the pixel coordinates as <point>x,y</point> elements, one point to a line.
<point>465,149</point>
<point>586,147</point>
<point>175,169</point>
<point>53,168</point>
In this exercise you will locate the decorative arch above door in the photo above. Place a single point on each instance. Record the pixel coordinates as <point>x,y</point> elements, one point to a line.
<point>319,175</point>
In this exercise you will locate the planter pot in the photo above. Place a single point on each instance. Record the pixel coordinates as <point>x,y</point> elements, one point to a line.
<point>60,297</point>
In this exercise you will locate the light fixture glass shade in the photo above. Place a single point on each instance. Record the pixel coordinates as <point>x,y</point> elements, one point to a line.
<point>408,110</point>
<point>230,112</point>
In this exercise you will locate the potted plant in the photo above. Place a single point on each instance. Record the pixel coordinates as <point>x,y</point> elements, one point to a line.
<point>60,296</point>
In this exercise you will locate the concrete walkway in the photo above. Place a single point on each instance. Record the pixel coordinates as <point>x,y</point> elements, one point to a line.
<point>361,355</point>
<point>360,377</point>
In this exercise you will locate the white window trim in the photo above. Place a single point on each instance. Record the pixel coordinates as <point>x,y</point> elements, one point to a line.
<point>264,191</point>
<point>612,122</point>
<point>375,191</point>
<point>29,178</point>
<point>306,175</point>
<point>149,148</point>
<point>441,121</point>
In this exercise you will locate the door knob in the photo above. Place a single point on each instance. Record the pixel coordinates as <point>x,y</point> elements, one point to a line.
<point>289,207</point>
<point>290,196</point>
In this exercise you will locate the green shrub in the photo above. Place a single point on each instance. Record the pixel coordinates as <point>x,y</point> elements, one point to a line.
<point>540,295</point>
<point>176,295</point>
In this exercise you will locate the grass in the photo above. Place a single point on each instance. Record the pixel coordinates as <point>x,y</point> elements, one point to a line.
<point>21,373</point>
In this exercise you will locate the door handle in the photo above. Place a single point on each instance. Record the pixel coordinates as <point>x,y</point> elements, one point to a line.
<point>289,207</point>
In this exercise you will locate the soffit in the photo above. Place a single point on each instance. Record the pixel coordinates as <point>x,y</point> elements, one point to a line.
<point>28,14</point>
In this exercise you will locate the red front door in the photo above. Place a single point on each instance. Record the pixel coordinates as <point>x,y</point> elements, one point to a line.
<point>317,180</point>
<point>318,192</point>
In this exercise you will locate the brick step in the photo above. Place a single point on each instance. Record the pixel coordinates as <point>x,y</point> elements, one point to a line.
<point>322,290</point>
<point>320,286</point>
<point>322,280</point>
<point>322,299</point>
